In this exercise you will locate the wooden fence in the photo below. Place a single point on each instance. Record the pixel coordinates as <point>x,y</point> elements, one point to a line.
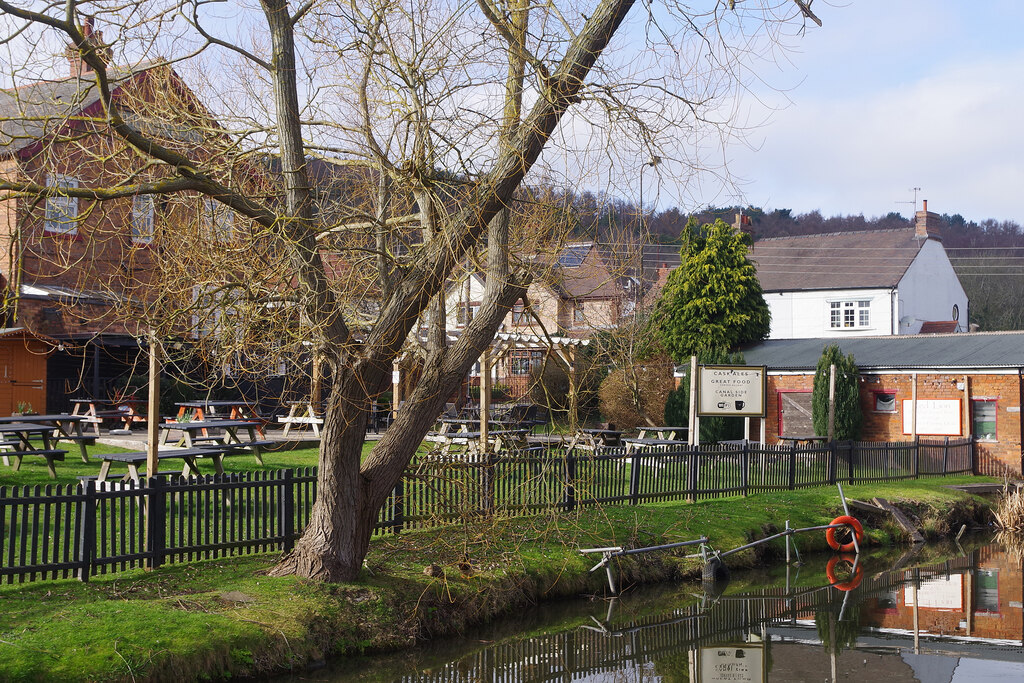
<point>79,530</point>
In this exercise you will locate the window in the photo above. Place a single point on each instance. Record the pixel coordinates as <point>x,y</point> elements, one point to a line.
<point>983,419</point>
<point>521,362</point>
<point>885,402</point>
<point>850,314</point>
<point>986,590</point>
<point>460,314</point>
<point>218,221</point>
<point>578,314</point>
<point>142,218</point>
<point>519,316</point>
<point>61,211</point>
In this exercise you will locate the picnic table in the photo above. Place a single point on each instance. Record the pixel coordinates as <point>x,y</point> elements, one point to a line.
<point>301,413</point>
<point>96,411</point>
<point>798,440</point>
<point>593,438</point>
<point>497,438</point>
<point>665,433</point>
<point>466,424</point>
<point>198,431</point>
<point>64,427</point>
<point>633,444</point>
<point>19,437</point>
<point>236,409</point>
<point>134,459</point>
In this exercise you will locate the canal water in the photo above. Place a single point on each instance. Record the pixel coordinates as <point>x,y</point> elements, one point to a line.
<point>943,615</point>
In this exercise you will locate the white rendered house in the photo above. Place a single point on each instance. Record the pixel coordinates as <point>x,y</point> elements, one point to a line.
<point>868,283</point>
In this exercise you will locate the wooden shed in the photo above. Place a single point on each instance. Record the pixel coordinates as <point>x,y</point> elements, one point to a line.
<point>23,370</point>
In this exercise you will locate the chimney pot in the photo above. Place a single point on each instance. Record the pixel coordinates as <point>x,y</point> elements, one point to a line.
<point>924,204</point>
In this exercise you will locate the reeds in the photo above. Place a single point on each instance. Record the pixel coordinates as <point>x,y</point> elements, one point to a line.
<point>1009,513</point>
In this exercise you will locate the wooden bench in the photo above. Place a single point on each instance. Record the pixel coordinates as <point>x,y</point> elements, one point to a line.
<point>52,455</point>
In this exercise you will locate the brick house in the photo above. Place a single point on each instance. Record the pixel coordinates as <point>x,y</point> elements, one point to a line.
<point>74,269</point>
<point>863,283</point>
<point>577,293</point>
<point>962,385</point>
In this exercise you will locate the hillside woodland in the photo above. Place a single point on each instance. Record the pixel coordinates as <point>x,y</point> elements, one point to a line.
<point>988,255</point>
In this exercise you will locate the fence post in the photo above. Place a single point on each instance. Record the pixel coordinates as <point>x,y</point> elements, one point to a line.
<point>398,509</point>
<point>692,467</point>
<point>792,467</point>
<point>745,468</point>
<point>570,480</point>
<point>833,462</point>
<point>87,532</point>
<point>945,456</point>
<point>156,522</point>
<point>287,511</point>
<point>487,482</point>
<point>851,453</point>
<point>634,478</point>
<point>917,457</point>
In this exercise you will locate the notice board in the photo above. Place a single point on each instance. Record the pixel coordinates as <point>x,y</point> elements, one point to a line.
<point>935,417</point>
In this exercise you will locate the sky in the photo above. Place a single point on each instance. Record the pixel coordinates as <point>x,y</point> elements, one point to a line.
<point>888,96</point>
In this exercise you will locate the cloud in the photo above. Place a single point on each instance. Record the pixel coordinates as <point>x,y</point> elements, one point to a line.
<point>953,132</point>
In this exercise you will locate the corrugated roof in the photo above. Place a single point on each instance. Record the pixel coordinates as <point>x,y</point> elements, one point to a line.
<point>976,350</point>
<point>842,260</point>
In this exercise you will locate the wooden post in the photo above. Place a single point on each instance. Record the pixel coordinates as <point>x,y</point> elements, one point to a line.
<point>315,389</point>
<point>694,426</point>
<point>153,409</point>
<point>485,397</point>
<point>831,402</point>
<point>967,429</point>
<point>913,406</point>
<point>396,388</point>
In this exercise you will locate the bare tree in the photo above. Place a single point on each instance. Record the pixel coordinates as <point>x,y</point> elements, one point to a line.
<point>439,111</point>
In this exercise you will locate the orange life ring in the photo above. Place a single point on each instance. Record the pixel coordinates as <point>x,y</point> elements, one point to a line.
<point>858,530</point>
<point>849,583</point>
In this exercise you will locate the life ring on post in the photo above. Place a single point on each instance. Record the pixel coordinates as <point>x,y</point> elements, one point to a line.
<point>847,583</point>
<point>858,531</point>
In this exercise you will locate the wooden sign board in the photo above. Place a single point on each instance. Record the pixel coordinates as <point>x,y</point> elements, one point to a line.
<point>732,390</point>
<point>935,417</point>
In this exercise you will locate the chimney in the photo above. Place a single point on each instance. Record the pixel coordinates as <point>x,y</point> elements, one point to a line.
<point>927,224</point>
<point>93,38</point>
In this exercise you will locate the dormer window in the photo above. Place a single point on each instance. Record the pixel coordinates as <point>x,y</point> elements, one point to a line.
<point>61,210</point>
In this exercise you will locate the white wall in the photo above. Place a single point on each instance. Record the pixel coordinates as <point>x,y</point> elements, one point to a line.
<point>929,289</point>
<point>802,315</point>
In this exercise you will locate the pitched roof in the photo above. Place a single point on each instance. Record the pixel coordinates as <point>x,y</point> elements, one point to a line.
<point>579,272</point>
<point>909,351</point>
<point>31,111</point>
<point>843,260</point>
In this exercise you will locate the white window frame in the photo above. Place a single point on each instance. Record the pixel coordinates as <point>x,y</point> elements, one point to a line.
<point>143,213</point>
<point>61,210</point>
<point>218,221</point>
<point>849,314</point>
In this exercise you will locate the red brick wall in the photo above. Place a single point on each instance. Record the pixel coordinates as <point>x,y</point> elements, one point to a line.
<point>993,456</point>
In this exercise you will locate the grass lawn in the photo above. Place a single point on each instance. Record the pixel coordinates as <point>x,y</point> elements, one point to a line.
<point>33,469</point>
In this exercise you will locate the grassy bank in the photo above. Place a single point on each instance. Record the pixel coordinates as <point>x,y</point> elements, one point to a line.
<point>225,617</point>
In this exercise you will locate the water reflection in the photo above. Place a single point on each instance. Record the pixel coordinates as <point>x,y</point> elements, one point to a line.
<point>921,618</point>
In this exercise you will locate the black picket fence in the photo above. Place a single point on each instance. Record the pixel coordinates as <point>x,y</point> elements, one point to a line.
<point>80,530</point>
